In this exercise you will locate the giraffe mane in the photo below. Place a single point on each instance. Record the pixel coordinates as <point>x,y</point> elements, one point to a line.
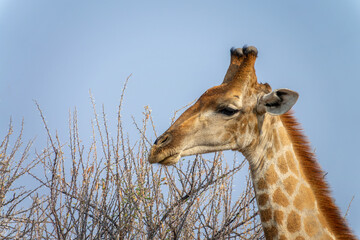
<point>315,176</point>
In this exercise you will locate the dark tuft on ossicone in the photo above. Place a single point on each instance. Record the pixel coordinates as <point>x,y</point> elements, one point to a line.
<point>250,50</point>
<point>236,52</point>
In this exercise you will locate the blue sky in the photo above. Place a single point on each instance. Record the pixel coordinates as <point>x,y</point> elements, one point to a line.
<point>55,51</point>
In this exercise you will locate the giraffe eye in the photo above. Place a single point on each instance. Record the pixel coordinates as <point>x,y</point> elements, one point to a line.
<point>228,111</point>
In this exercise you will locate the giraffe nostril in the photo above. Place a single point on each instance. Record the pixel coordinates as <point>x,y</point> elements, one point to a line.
<point>162,140</point>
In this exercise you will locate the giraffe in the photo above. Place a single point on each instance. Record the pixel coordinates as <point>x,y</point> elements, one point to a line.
<point>241,114</point>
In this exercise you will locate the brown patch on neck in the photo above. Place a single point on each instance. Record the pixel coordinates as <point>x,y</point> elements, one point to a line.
<point>314,175</point>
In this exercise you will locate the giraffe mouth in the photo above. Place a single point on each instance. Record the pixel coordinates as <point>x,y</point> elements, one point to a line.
<point>174,157</point>
<point>170,160</point>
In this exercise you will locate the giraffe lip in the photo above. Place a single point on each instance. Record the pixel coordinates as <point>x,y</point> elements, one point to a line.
<point>170,160</point>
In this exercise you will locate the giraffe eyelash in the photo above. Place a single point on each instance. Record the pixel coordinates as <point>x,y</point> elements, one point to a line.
<point>228,111</point>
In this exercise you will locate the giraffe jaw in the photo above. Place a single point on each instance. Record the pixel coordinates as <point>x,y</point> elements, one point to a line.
<point>207,149</point>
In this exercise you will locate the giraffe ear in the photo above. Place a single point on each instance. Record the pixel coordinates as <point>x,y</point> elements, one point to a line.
<point>277,102</point>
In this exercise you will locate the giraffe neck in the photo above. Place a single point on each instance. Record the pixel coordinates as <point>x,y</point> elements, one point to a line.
<point>286,200</point>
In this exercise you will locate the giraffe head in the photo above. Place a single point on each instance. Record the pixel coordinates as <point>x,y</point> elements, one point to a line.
<point>225,117</point>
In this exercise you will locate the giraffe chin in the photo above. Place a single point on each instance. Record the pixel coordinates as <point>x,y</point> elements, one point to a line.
<point>170,160</point>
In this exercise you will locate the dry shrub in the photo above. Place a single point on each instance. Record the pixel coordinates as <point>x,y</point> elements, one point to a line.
<point>108,190</point>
